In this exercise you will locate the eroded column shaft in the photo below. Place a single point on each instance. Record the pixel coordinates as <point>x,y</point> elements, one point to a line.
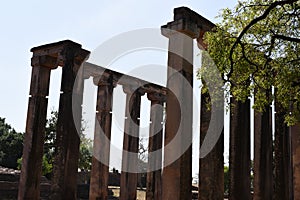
<point>29,187</point>
<point>154,184</point>
<point>101,149</point>
<point>263,155</point>
<point>65,167</point>
<point>177,173</point>
<point>211,167</point>
<point>282,158</point>
<point>295,134</point>
<point>129,176</point>
<point>239,150</point>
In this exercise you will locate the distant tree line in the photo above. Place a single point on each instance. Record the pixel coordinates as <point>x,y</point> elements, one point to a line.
<point>11,146</point>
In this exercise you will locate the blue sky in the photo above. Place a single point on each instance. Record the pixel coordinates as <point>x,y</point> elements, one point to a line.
<point>25,24</point>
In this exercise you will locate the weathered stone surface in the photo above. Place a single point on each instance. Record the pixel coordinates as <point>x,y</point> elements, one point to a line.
<point>177,176</point>
<point>211,167</point>
<point>44,59</point>
<point>102,135</point>
<point>130,144</point>
<point>34,134</point>
<point>154,184</point>
<point>67,136</point>
<point>295,134</point>
<point>283,186</point>
<point>263,155</point>
<point>239,150</point>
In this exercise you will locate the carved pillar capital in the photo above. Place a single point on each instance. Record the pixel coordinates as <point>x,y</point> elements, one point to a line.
<point>130,89</point>
<point>190,23</point>
<point>156,97</point>
<point>71,51</point>
<point>183,26</point>
<point>56,54</point>
<point>44,61</point>
<point>200,42</point>
<point>104,80</point>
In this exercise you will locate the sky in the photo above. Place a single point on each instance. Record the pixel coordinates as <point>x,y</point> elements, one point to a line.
<point>26,24</point>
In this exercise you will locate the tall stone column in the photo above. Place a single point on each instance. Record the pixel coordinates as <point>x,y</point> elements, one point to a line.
<point>239,150</point>
<point>282,158</point>
<point>29,186</point>
<point>295,135</point>
<point>129,177</point>
<point>65,167</point>
<point>101,152</point>
<point>211,167</point>
<point>154,183</point>
<point>263,155</point>
<point>177,175</point>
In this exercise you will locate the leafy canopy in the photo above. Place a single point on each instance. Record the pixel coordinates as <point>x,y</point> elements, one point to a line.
<point>85,151</point>
<point>256,46</point>
<point>11,145</point>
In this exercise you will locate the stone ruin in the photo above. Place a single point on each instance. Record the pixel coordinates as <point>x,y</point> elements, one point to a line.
<point>171,182</point>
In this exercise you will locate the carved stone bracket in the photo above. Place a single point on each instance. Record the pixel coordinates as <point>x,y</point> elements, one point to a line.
<point>156,97</point>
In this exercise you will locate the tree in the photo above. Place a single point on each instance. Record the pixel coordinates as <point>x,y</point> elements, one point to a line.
<point>85,156</point>
<point>260,40</point>
<point>142,162</point>
<point>49,144</point>
<point>11,145</point>
<point>256,47</point>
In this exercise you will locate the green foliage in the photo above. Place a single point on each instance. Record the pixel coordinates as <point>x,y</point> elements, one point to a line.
<point>19,163</point>
<point>47,166</point>
<point>226,179</point>
<point>49,144</point>
<point>212,86</point>
<point>85,156</point>
<point>257,46</point>
<point>85,151</point>
<point>11,145</point>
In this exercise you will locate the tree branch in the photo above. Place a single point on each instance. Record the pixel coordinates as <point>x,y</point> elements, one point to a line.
<point>253,22</point>
<point>283,37</point>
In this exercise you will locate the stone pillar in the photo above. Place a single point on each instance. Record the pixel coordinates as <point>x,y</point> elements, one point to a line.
<point>295,134</point>
<point>239,150</point>
<point>129,177</point>
<point>263,155</point>
<point>154,184</point>
<point>65,167</point>
<point>29,186</point>
<point>211,167</point>
<point>101,152</point>
<point>282,158</point>
<point>177,176</point>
